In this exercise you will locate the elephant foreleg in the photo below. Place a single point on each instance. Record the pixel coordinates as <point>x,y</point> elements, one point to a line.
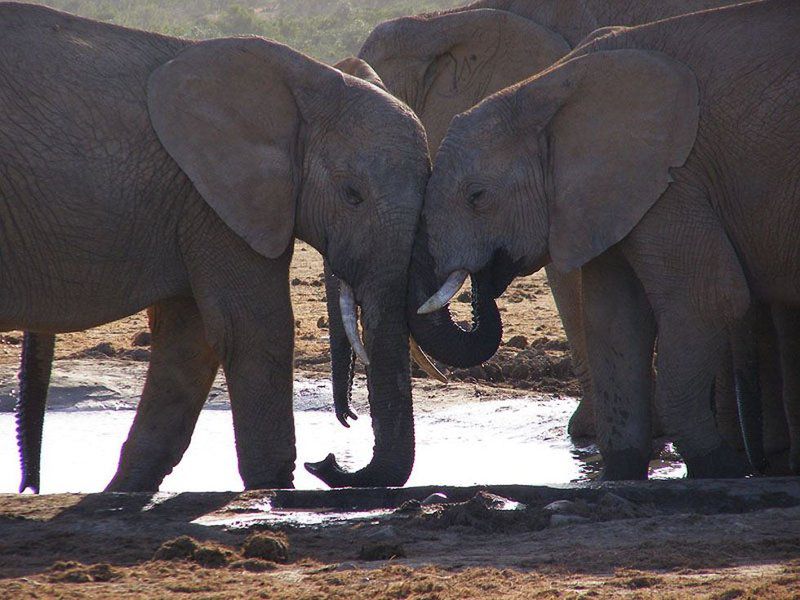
<point>34,379</point>
<point>620,334</point>
<point>247,312</point>
<point>566,290</point>
<point>181,372</point>
<point>787,326</point>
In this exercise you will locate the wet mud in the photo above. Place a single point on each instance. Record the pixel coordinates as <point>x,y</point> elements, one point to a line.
<point>679,538</point>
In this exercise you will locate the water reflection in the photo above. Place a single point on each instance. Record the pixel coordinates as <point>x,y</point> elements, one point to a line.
<point>520,441</point>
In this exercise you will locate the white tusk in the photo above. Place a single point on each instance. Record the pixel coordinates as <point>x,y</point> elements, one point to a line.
<point>424,362</point>
<point>347,305</point>
<point>445,293</point>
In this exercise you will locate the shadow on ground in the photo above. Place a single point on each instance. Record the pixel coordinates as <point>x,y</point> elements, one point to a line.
<point>657,525</point>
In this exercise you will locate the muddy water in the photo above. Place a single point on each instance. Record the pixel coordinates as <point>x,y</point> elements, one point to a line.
<point>519,440</point>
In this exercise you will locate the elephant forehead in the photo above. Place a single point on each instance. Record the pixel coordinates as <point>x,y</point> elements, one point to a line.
<point>380,111</point>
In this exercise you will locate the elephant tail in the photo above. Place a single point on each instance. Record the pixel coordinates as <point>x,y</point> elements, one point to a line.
<point>34,379</point>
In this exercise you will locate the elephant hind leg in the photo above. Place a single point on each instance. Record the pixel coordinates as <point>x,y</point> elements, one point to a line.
<point>182,369</point>
<point>689,356</point>
<point>787,327</point>
<point>566,290</point>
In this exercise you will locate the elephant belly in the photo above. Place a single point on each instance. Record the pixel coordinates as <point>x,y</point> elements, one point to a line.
<point>771,257</point>
<point>69,262</point>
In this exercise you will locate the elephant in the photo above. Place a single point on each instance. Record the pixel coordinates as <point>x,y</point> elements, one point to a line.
<point>444,63</point>
<point>637,159</point>
<point>342,354</point>
<point>154,171</point>
<point>786,320</point>
<point>38,351</point>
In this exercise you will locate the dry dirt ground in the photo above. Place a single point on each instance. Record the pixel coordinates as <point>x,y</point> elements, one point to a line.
<point>538,358</point>
<point>123,546</point>
<point>593,543</point>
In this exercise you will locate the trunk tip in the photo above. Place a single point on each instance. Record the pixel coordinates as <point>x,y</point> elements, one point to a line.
<point>327,469</point>
<point>342,416</point>
<point>28,483</point>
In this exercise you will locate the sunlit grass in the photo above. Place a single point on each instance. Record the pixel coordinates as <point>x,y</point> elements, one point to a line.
<point>326,29</point>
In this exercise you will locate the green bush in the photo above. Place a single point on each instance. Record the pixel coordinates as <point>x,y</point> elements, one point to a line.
<point>326,29</point>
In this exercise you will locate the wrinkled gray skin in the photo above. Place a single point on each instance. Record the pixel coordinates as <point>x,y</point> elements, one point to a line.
<point>787,325</point>
<point>760,376</point>
<point>442,64</point>
<point>672,226</point>
<point>237,146</point>
<point>38,350</point>
<point>342,356</point>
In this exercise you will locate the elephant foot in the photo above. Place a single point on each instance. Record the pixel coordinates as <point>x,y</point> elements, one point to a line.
<point>794,463</point>
<point>277,477</point>
<point>280,482</point>
<point>625,464</point>
<point>271,485</point>
<point>721,463</point>
<point>132,485</point>
<point>581,423</point>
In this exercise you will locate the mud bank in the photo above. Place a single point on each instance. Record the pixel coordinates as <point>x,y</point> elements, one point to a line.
<point>723,539</point>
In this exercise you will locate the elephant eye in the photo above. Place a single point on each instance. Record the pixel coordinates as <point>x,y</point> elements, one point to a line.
<point>352,196</point>
<point>474,197</point>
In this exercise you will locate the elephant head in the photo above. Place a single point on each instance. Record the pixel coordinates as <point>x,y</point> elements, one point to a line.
<point>342,354</point>
<point>557,168</point>
<point>280,146</point>
<point>442,65</point>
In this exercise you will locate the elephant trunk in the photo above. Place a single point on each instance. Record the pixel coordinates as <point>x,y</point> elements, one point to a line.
<point>436,333</point>
<point>389,385</point>
<point>342,355</point>
<point>34,379</point>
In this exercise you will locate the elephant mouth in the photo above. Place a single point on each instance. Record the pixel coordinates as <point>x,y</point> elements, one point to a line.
<point>498,273</point>
<point>491,281</point>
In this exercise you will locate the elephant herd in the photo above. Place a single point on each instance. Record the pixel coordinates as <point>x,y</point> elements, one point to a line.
<point>646,153</point>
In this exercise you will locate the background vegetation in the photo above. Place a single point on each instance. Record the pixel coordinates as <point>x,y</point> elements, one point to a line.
<point>326,29</point>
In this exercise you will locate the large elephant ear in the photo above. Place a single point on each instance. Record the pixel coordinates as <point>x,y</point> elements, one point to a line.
<point>224,112</point>
<point>359,68</point>
<point>616,122</point>
<point>456,60</point>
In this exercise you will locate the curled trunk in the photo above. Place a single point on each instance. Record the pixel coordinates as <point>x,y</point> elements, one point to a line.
<point>436,333</point>
<point>34,379</point>
<point>389,385</point>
